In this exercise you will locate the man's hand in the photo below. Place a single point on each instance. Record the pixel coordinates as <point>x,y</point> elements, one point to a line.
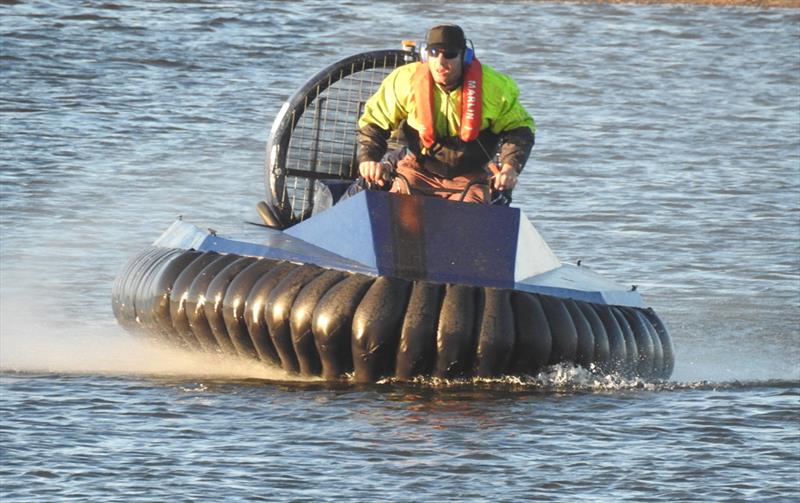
<point>372,172</point>
<point>506,179</point>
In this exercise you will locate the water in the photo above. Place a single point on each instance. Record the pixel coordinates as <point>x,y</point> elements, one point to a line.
<point>668,156</point>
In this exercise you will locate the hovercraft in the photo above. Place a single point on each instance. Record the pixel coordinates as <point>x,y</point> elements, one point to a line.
<point>367,285</point>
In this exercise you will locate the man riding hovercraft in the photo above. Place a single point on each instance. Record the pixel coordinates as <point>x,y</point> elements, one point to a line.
<point>454,114</point>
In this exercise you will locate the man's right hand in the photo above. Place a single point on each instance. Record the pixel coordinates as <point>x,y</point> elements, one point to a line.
<point>372,172</point>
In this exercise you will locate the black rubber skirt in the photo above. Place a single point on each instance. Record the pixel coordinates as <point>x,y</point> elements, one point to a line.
<point>322,322</point>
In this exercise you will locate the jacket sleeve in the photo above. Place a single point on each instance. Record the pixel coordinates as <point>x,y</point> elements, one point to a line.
<point>384,111</point>
<point>515,147</point>
<point>511,122</point>
<point>372,142</point>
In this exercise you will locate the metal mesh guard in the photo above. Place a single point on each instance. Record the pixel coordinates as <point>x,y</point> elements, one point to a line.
<point>314,136</point>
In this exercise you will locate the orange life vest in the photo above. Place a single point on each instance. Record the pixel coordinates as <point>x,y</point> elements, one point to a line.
<point>471,103</point>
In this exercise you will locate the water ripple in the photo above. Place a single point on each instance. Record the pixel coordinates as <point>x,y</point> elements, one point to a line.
<point>668,155</point>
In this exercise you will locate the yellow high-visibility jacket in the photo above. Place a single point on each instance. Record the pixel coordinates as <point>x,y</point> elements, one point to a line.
<point>506,127</point>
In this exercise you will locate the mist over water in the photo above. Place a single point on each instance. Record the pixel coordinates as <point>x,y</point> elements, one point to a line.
<point>31,345</point>
<point>667,156</point>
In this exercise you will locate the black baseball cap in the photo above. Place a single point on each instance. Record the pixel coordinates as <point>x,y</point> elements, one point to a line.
<point>446,36</point>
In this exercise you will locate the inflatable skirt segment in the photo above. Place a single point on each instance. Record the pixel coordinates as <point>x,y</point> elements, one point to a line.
<point>316,321</point>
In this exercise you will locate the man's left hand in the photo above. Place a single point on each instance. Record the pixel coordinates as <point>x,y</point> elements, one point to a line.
<point>506,179</point>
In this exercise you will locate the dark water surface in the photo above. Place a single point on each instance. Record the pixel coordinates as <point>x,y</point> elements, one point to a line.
<point>668,156</point>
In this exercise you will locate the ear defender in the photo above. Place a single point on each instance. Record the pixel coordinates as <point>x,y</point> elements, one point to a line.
<point>469,51</point>
<point>469,55</point>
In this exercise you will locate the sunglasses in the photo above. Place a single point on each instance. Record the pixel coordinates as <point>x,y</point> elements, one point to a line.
<point>447,53</point>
